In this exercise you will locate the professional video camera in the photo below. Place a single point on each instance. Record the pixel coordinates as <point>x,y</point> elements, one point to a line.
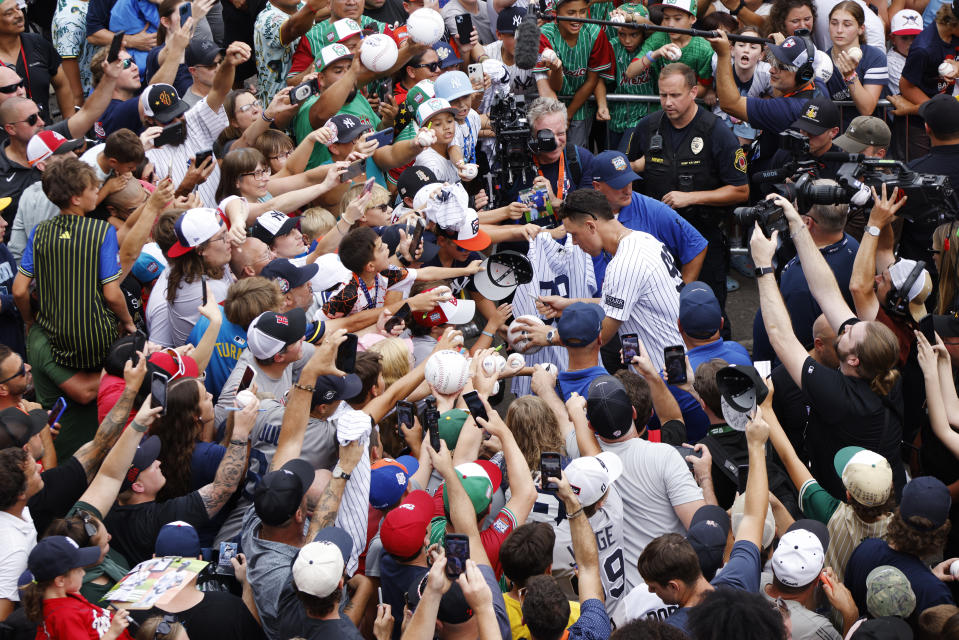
<point>931,196</point>
<point>515,145</point>
<point>799,163</point>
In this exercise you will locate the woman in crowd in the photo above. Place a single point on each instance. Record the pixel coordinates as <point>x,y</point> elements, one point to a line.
<point>788,16</point>
<point>535,428</point>
<point>860,80</point>
<point>945,253</point>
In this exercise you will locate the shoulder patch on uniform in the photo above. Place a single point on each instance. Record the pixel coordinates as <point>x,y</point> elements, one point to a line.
<point>616,303</point>
<point>740,160</point>
<point>501,525</point>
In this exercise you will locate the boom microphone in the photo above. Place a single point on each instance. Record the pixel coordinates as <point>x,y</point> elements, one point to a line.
<point>527,40</point>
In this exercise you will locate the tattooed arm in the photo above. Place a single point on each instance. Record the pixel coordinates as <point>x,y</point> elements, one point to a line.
<point>233,466</point>
<point>324,515</point>
<point>91,455</point>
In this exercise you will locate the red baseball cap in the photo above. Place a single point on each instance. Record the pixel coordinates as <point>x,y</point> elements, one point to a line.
<point>174,364</point>
<point>404,528</point>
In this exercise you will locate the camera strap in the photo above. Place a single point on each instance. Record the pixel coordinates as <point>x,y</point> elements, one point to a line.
<point>560,175</point>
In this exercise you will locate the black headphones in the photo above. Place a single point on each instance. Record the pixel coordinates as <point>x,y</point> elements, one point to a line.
<point>807,70</point>
<point>898,300</point>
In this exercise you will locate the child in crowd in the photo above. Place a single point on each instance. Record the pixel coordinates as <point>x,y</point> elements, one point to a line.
<point>626,41</point>
<point>903,29</point>
<point>751,73</point>
<point>315,224</point>
<point>436,115</point>
<point>662,48</point>
<point>455,87</point>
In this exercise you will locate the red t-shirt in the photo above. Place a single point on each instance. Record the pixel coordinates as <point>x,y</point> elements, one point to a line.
<point>73,617</point>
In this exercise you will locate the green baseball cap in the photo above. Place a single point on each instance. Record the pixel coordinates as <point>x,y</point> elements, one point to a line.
<point>634,7</point>
<point>888,593</point>
<point>689,6</point>
<point>480,479</point>
<point>420,93</point>
<point>866,475</point>
<point>451,423</point>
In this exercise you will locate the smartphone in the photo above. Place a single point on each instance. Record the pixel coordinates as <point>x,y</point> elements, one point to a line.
<point>385,90</point>
<point>401,315</point>
<point>928,328</point>
<point>687,451</point>
<point>457,546</point>
<point>353,170</point>
<point>223,565</point>
<point>246,380</point>
<point>549,467</point>
<point>384,137</point>
<point>630,343</point>
<point>404,414</point>
<point>56,411</point>
<point>368,187</point>
<point>475,72</point>
<point>201,156</point>
<point>742,474</point>
<point>431,422</point>
<point>158,385</point>
<point>186,10</point>
<point>115,45</point>
<point>203,290</point>
<point>464,27</point>
<point>172,133</point>
<point>304,91</point>
<point>346,354</point>
<point>675,358</point>
<point>475,406</point>
<point>418,229</point>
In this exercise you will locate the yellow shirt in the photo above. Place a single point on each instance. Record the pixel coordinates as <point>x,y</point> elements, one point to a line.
<point>515,611</point>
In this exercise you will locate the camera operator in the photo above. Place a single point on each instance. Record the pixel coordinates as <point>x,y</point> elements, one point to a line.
<point>819,124</point>
<point>870,137</point>
<point>861,403</point>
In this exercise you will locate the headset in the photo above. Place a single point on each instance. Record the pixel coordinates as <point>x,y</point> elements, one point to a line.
<point>807,70</point>
<point>897,301</point>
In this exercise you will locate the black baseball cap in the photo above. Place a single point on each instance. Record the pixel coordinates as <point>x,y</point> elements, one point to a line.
<point>18,426</point>
<point>819,114</point>
<point>707,534</point>
<point>947,326</point>
<point>608,409</point>
<point>413,179</point>
<point>201,53</point>
<point>740,385</point>
<point>453,607</point>
<point>941,113</point>
<point>509,19</point>
<point>348,127</point>
<point>288,275</point>
<point>161,101</point>
<point>147,452</point>
<point>271,332</point>
<point>280,492</point>
<point>329,389</point>
<point>56,555</point>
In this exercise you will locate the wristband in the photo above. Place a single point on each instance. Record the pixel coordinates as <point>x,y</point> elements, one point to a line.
<point>575,514</point>
<point>851,79</point>
<point>488,334</point>
<point>303,387</point>
<point>649,56</point>
<point>265,118</point>
<point>136,426</point>
<point>239,443</point>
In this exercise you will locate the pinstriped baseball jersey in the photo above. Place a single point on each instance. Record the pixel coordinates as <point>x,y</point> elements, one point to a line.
<point>591,53</point>
<point>641,289</point>
<point>558,270</point>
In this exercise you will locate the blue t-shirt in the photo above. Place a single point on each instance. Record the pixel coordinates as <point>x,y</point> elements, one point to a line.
<point>593,622</point>
<point>119,114</point>
<point>204,463</point>
<point>731,352</point>
<point>569,381</point>
<point>871,70</point>
<point>395,581</point>
<point>663,223</point>
<point>230,343</point>
<point>741,572</point>
<point>926,53</point>
<point>183,80</point>
<point>109,255</point>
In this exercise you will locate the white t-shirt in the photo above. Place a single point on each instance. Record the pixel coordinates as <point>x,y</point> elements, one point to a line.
<point>895,61</point>
<point>170,326</point>
<point>522,81</point>
<point>642,604</point>
<point>18,537</point>
<point>90,157</point>
<point>641,289</point>
<point>467,136</point>
<point>481,20</point>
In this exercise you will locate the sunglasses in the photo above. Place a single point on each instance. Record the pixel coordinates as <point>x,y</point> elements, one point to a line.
<point>89,527</point>
<point>32,120</point>
<point>127,63</point>
<point>11,88</point>
<point>165,626</point>
<point>180,364</point>
<point>433,66</point>
<point>20,372</point>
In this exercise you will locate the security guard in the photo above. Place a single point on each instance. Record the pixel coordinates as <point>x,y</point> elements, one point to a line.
<point>692,162</point>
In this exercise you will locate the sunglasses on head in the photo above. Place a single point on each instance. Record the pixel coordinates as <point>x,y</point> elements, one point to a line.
<point>165,626</point>
<point>89,526</point>
<point>432,66</point>
<point>11,88</point>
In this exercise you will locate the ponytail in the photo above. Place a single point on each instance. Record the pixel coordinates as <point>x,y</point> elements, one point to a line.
<point>31,596</point>
<point>884,382</point>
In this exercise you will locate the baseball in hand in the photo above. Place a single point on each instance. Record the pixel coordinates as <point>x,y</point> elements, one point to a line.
<point>549,367</point>
<point>673,52</point>
<point>516,361</point>
<point>947,70</point>
<point>378,52</point>
<point>425,26</point>
<point>855,53</point>
<point>548,55</point>
<point>954,569</point>
<point>470,171</point>
<point>493,363</point>
<point>425,137</point>
<point>244,398</point>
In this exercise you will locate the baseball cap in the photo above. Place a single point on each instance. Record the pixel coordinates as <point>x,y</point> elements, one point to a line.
<point>699,312</point>
<point>18,426</point>
<point>46,143</point>
<point>608,409</point>
<point>689,6</point>
<point>501,274</point>
<point>420,92</point>
<point>480,479</point>
<point>452,85</point>
<point>177,538</point>
<point>613,169</point>
<point>862,132</point>
<point>346,28</point>
<point>446,54</point>
<point>906,22</point>
<point>707,534</point>
<point>580,324</point>
<point>270,332</point>
<point>798,559</point>
<point>56,555</point>
<point>430,108</point>
<point>201,53</point>
<point>941,113</point>
<point>338,537</point>
<point>331,388</point>
<point>886,628</point>
<point>279,493</point>
<point>509,19</point>
<point>348,126</point>
<point>146,454</point>
<point>792,51</point>
<point>451,311</point>
<point>391,238</point>
<point>742,389</point>
<point>404,528</point>
<point>818,115</point>
<point>330,273</point>
<point>888,593</point>
<point>947,326</point>
<point>928,498</point>
<point>389,479</point>
<point>333,52</point>
<point>414,178</point>
<point>162,102</point>
<point>815,527</point>
<point>149,264</point>
<point>273,224</point>
<point>288,275</point>
<point>450,424</point>
<point>591,476</point>
<point>899,272</point>
<point>467,233</point>
<point>318,569</point>
<point>866,475</point>
<point>174,364</point>
<point>193,228</point>
<point>736,517</point>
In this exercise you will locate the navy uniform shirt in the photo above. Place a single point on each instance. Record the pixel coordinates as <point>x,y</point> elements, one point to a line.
<point>773,116</point>
<point>926,53</point>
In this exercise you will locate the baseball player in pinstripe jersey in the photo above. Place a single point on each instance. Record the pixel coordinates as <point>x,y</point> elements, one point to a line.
<point>640,292</point>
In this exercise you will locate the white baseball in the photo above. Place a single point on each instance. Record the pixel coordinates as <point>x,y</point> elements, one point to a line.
<point>823,66</point>
<point>244,398</point>
<point>548,55</point>
<point>514,336</point>
<point>954,569</point>
<point>378,52</point>
<point>549,367</point>
<point>855,53</point>
<point>425,137</point>
<point>496,387</point>
<point>673,52</point>
<point>447,371</point>
<point>494,363</point>
<point>470,171</point>
<point>516,361</point>
<point>947,70</point>
<point>425,26</point>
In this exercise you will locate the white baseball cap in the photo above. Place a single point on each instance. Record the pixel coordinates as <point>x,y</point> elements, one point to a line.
<point>866,475</point>
<point>331,273</point>
<point>769,524</point>
<point>432,107</point>
<point>318,569</point>
<point>193,228</point>
<point>449,208</point>
<point>272,224</point>
<point>906,23</point>
<point>46,143</point>
<point>591,476</point>
<point>453,310</point>
<point>345,29</point>
<point>798,559</point>
<point>447,371</point>
<point>333,52</point>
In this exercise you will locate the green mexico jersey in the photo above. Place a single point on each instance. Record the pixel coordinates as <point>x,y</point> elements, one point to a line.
<point>697,55</point>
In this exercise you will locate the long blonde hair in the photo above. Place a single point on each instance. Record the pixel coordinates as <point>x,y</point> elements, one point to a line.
<point>395,359</point>
<point>946,242</point>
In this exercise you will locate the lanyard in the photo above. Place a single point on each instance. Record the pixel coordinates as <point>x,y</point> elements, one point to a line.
<point>809,86</point>
<point>469,146</point>
<point>366,292</point>
<point>560,177</point>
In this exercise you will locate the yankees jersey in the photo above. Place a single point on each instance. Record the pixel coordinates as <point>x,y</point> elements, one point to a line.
<point>641,290</point>
<point>522,81</point>
<point>558,270</point>
<point>354,296</point>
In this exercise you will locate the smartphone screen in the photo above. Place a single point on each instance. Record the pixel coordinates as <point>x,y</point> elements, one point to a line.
<point>223,565</point>
<point>203,290</point>
<point>158,385</point>
<point>56,411</point>
<point>383,138</point>
<point>464,27</point>
<point>675,358</point>
<point>457,548</point>
<point>186,10</point>
<point>928,328</point>
<point>431,418</point>
<point>630,347</point>
<point>115,45</point>
<point>742,474</point>
<point>404,414</point>
<point>246,380</point>
<point>346,354</point>
<point>549,467</point>
<point>475,405</point>
<point>417,237</point>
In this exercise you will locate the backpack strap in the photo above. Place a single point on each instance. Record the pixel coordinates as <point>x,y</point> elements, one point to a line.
<point>572,162</point>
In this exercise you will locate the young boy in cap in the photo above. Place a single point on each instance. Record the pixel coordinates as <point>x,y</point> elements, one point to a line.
<point>662,48</point>
<point>438,116</point>
<point>905,25</point>
<point>625,43</point>
<point>280,233</point>
<point>455,87</point>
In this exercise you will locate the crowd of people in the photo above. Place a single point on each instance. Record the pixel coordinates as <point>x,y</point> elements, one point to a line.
<point>299,343</point>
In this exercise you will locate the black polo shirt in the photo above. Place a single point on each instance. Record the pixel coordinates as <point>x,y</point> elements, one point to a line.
<point>42,63</point>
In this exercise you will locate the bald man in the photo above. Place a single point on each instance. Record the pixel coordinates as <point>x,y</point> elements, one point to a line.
<point>120,204</point>
<point>249,258</point>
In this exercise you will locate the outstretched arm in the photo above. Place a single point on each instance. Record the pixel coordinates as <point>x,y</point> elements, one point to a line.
<point>872,252</point>
<point>233,465</point>
<point>757,485</point>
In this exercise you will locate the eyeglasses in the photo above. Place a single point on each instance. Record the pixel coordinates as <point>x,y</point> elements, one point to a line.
<point>165,626</point>
<point>20,372</point>
<point>381,207</point>
<point>259,174</point>
<point>31,120</point>
<point>11,88</point>
<point>224,238</point>
<point>89,526</point>
<point>433,66</point>
<point>247,107</point>
<point>281,156</point>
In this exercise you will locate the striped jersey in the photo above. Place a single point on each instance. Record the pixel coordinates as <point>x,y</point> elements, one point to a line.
<point>697,55</point>
<point>641,290</point>
<point>624,115</point>
<point>591,52</point>
<point>320,35</point>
